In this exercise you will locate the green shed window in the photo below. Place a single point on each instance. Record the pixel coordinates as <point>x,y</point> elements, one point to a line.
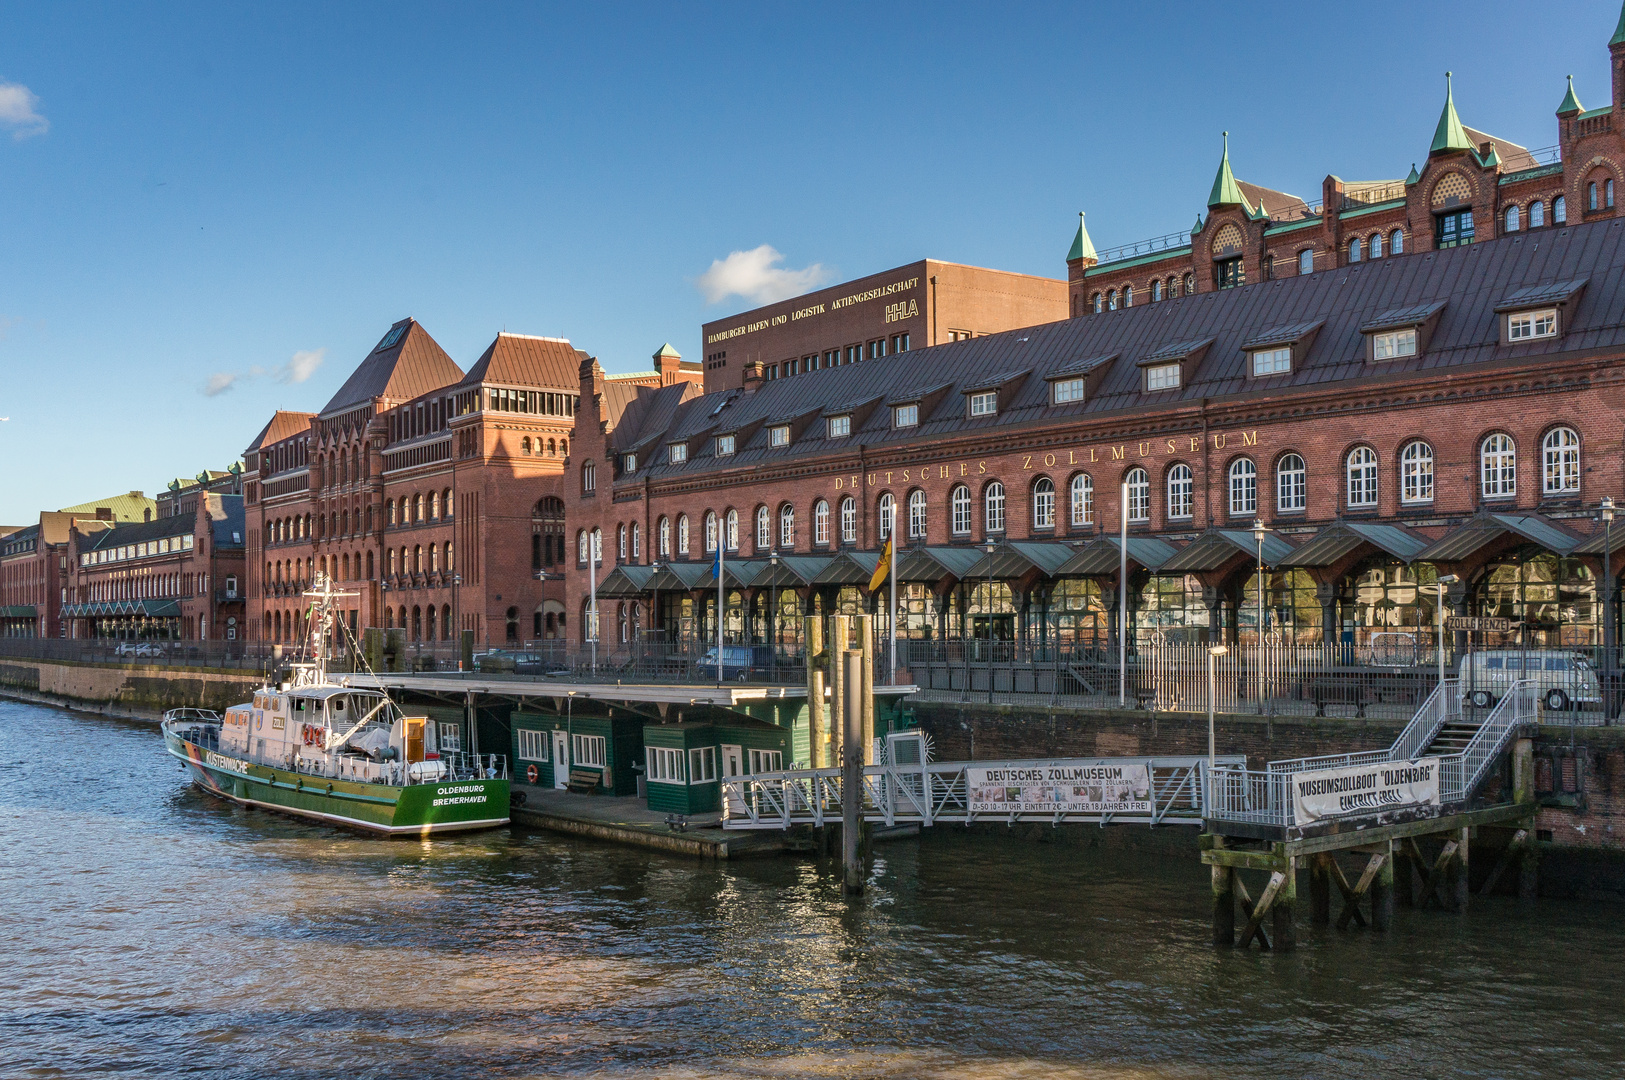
<point>702,764</point>
<point>532,745</point>
<point>762,761</point>
<point>588,749</point>
<point>665,765</point>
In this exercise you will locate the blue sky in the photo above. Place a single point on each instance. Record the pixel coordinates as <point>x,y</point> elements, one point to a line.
<point>197,193</point>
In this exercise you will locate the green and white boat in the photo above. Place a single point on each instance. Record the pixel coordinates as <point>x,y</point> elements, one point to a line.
<point>318,748</point>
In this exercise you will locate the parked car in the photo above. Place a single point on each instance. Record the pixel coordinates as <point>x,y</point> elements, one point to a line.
<point>520,663</point>
<point>1564,679</point>
<point>138,648</point>
<point>739,662</point>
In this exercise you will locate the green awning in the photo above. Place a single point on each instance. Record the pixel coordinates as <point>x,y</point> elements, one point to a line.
<point>1100,558</point>
<point>19,611</point>
<point>1483,529</point>
<point>1215,547</point>
<point>1339,540</point>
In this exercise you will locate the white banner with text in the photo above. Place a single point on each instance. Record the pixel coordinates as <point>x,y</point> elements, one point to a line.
<point>1364,789</point>
<point>1070,786</point>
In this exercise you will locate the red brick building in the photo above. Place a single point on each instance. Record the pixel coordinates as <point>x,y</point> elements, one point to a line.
<point>1450,402</point>
<point>874,317</point>
<point>34,562</point>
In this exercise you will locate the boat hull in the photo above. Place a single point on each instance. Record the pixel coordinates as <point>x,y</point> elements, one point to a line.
<point>414,810</point>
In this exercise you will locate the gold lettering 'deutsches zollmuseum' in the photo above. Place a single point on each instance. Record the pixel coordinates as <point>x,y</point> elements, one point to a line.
<point>1092,455</point>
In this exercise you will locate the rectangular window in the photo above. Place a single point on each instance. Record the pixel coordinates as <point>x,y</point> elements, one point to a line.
<point>725,445</point>
<point>702,765</point>
<point>631,463</point>
<point>1162,377</point>
<point>1229,273</point>
<point>1453,229</point>
<point>832,358</point>
<point>1532,324</point>
<point>877,348</point>
<point>1393,344</point>
<point>665,765</point>
<point>677,453</point>
<point>765,761</point>
<point>986,404</point>
<point>840,427</point>
<point>899,343</point>
<point>532,745</point>
<point>906,416</point>
<point>854,353</point>
<point>587,749</point>
<point>1065,390</point>
<point>780,436</point>
<point>450,736</point>
<point>1272,361</point>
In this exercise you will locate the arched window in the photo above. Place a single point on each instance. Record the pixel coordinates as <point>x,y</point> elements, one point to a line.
<point>589,476</point>
<point>417,508</point>
<point>1111,296</point>
<point>389,510</point>
<point>682,534</point>
<point>445,622</point>
<point>1139,494</point>
<point>1083,500</point>
<point>1537,214</point>
<point>428,625</point>
<point>663,537</point>
<point>1156,291</point>
<point>620,543</point>
<point>710,531</point>
<point>1512,218</point>
<point>1591,195</point>
<point>637,537</point>
<point>1243,486</point>
<point>849,520</point>
<point>1396,242</point>
<point>1560,210</point>
<point>959,501</point>
<point>1289,484</point>
<point>445,502</point>
<point>451,563</point>
<point>787,527</point>
<point>1376,245</point>
<point>1306,261</point>
<point>1560,459</point>
<point>1044,503</point>
<point>417,559</point>
<point>1128,296</point>
<point>622,629</point>
<point>1096,303</point>
<point>886,512</point>
<point>1608,194</point>
<point>731,530</point>
<point>1181,502</point>
<point>1190,284</point>
<point>993,505</point>
<point>1498,467</point>
<point>524,445</point>
<point>764,529</point>
<point>1416,472</point>
<point>1354,250</point>
<point>598,547</point>
<point>821,522</point>
<point>916,515</point>
<point>1362,476</point>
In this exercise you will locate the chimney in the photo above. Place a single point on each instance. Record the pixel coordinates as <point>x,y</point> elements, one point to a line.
<point>667,363</point>
<point>753,377</point>
<point>104,513</point>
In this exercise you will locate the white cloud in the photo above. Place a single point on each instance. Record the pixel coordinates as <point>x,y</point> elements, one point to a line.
<point>19,111</point>
<point>754,276</point>
<point>301,366</point>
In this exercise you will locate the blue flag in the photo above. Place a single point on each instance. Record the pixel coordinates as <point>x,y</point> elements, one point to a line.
<point>716,564</point>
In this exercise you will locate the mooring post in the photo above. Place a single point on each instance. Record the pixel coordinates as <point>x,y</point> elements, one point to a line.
<point>1404,880</point>
<point>1285,911</point>
<point>866,646</point>
<point>1523,770</point>
<point>816,741</point>
<point>1529,867</point>
<point>1458,872</point>
<point>835,645</point>
<point>852,779</point>
<point>1382,893</point>
<point>1320,891</point>
<point>1224,903</point>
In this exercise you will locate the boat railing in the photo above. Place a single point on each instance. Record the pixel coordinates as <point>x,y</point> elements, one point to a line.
<point>466,766</point>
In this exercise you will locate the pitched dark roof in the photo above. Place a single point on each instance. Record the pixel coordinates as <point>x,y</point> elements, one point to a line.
<point>281,425</point>
<point>519,360</point>
<point>1469,281</point>
<point>1551,292</point>
<point>407,367</point>
<point>136,532</point>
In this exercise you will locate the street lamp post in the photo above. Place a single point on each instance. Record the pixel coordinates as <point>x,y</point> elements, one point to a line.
<point>1606,510</point>
<point>1260,530</point>
<point>1440,586</point>
<point>773,615</point>
<point>989,617</point>
<point>1213,654</point>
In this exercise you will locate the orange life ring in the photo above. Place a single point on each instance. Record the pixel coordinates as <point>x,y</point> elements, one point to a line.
<point>531,773</point>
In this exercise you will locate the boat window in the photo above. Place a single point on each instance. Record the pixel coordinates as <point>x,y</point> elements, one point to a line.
<point>338,704</point>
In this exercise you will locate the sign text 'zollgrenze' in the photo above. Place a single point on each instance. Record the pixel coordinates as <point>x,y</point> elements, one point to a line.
<point>1479,622</point>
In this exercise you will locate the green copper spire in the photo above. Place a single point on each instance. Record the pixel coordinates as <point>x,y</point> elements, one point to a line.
<point>1414,178</point>
<point>1571,104</point>
<point>1082,246</point>
<point>1198,226</point>
<point>1619,31</point>
<point>1225,192</point>
<point>1449,135</point>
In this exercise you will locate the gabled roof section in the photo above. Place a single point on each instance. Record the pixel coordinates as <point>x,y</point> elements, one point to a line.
<point>282,425</point>
<point>1216,547</point>
<point>1555,292</point>
<point>1081,367</point>
<point>994,381</point>
<point>1287,334</point>
<point>400,367</point>
<point>522,360</point>
<point>1401,317</point>
<point>1516,158</point>
<point>1482,529</point>
<point>1225,192</point>
<point>132,506</point>
<point>1082,246</point>
<point>1103,557</point>
<point>1449,136</point>
<point>1275,205</point>
<point>1341,539</point>
<point>912,394</point>
<point>1175,350</point>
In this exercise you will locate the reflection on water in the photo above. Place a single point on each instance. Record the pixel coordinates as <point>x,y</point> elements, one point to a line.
<point>150,928</point>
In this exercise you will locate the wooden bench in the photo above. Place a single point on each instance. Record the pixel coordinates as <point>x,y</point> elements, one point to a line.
<point>1333,690</point>
<point>585,781</point>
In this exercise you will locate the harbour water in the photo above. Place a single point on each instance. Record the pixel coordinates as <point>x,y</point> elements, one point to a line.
<point>151,930</point>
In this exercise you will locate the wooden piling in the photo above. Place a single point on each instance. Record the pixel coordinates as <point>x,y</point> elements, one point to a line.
<point>1224,907</point>
<point>1529,868</point>
<point>852,780</point>
<point>1458,873</point>
<point>1285,908</point>
<point>835,646</point>
<point>866,646</point>
<point>817,732</point>
<point>1382,892</point>
<point>1320,891</point>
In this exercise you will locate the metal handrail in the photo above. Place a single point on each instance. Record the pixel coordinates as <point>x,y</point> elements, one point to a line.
<point>1442,705</point>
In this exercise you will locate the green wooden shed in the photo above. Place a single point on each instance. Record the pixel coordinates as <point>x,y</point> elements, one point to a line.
<point>686,761</point>
<point>552,744</point>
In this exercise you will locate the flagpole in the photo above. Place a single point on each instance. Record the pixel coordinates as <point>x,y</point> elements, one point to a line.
<point>722,542</point>
<point>592,586</point>
<point>891,619</point>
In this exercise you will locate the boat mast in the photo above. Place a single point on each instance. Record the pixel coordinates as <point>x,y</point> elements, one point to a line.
<point>324,612</point>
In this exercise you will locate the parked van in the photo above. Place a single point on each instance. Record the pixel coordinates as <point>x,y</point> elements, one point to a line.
<point>1564,679</point>
<point>739,662</point>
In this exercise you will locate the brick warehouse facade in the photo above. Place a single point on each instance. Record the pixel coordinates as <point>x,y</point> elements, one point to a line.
<point>1452,406</point>
<point>877,316</point>
<point>431,493</point>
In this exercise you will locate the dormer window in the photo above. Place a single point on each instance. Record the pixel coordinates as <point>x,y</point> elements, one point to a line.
<point>906,416</point>
<point>1162,377</point>
<point>1272,361</point>
<point>1529,325</point>
<point>1065,390</point>
<point>677,453</point>
<point>984,404</point>
<point>779,435</point>
<point>840,427</point>
<point>630,463</point>
<point>725,445</point>
<point>1393,344</point>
